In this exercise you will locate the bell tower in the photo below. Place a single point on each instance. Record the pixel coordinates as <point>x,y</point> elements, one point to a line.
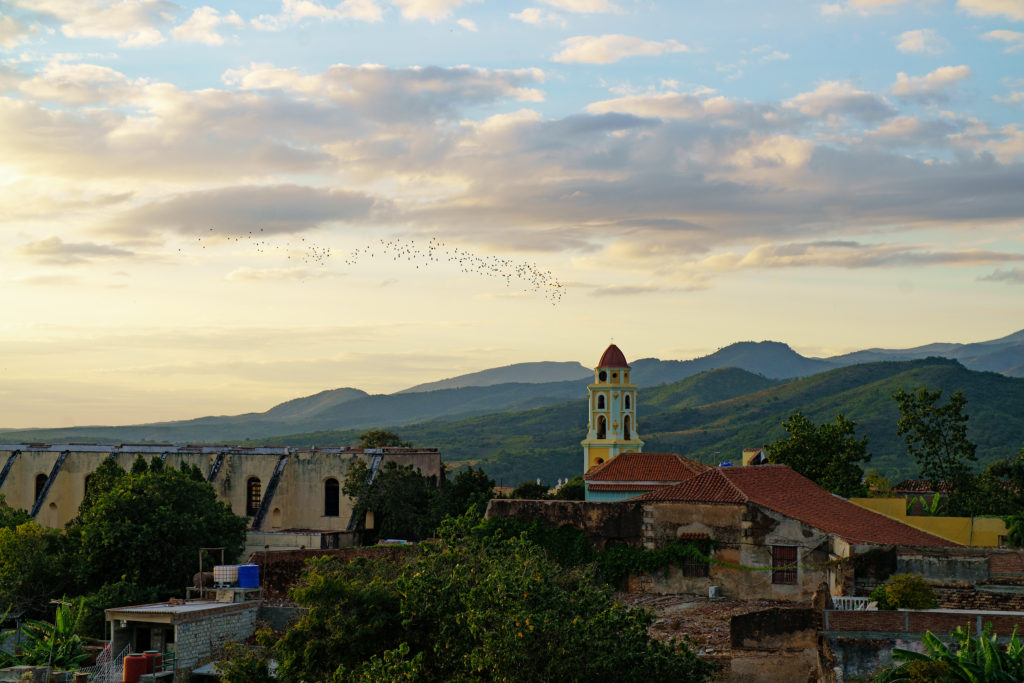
<point>611,402</point>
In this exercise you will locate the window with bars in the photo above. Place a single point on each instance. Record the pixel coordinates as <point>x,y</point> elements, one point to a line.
<point>695,567</point>
<point>253,491</point>
<point>784,561</point>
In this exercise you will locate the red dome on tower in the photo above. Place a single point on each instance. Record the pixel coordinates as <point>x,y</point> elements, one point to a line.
<point>612,358</point>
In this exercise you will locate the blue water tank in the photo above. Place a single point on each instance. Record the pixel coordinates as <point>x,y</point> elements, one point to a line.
<point>248,576</point>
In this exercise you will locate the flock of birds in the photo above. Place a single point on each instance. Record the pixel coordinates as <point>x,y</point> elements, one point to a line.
<point>527,276</point>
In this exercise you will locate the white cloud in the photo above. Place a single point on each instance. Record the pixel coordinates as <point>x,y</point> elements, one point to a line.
<point>932,86</point>
<point>922,40</point>
<point>533,15</point>
<point>79,84</point>
<point>467,24</point>
<point>202,26</point>
<point>842,99</point>
<point>297,11</point>
<point>1014,39</point>
<point>431,10</point>
<point>613,47</point>
<point>672,105</point>
<point>134,23</point>
<point>775,56</point>
<point>53,250</point>
<point>583,6</point>
<point>13,31</point>
<point>1011,9</point>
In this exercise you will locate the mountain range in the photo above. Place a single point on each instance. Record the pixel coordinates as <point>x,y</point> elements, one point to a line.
<point>747,408</point>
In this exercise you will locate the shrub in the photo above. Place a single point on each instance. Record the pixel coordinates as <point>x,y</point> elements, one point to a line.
<point>905,591</point>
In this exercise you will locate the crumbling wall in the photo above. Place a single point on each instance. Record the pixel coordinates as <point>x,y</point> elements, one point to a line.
<point>197,640</point>
<point>774,645</point>
<point>603,523</point>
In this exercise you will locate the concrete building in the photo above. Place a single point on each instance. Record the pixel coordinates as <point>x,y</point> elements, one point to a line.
<point>277,488</point>
<point>632,474</point>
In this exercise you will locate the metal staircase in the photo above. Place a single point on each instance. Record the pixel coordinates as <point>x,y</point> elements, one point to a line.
<point>268,497</point>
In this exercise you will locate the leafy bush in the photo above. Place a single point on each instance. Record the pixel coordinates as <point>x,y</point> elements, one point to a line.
<point>973,659</point>
<point>905,591</point>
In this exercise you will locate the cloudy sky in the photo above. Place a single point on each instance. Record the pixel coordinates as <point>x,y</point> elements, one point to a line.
<point>212,208</point>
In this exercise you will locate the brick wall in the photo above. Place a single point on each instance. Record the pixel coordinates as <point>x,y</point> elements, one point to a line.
<point>196,640</point>
<point>919,621</point>
<point>279,570</point>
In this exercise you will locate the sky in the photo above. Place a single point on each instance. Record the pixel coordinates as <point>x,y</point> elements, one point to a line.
<point>210,208</point>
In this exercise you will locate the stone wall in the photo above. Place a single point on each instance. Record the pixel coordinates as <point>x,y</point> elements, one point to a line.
<point>297,504</point>
<point>198,640</point>
<point>603,523</point>
<point>281,569</point>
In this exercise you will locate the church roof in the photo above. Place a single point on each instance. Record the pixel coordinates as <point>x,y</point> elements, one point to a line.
<point>612,358</point>
<point>632,467</point>
<point>779,488</point>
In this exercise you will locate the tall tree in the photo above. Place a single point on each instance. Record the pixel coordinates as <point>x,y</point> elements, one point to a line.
<point>380,438</point>
<point>403,503</point>
<point>936,436</point>
<point>828,454</point>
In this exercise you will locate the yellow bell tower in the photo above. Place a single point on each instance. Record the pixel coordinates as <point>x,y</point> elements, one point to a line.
<point>612,405</point>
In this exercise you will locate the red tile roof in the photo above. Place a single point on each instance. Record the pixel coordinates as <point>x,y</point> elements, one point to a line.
<point>623,487</point>
<point>612,358</point>
<point>667,468</point>
<point>779,488</point>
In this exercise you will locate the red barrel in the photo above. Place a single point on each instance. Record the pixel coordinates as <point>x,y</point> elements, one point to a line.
<point>134,666</point>
<point>152,660</point>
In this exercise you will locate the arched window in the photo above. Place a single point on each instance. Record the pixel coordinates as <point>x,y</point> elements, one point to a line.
<point>331,498</point>
<point>625,428</point>
<point>600,401</point>
<point>253,491</point>
<point>602,428</point>
<point>40,483</point>
<point>626,402</point>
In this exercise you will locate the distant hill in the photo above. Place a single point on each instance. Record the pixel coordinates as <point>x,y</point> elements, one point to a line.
<point>771,359</point>
<point>529,373</point>
<point>1004,355</point>
<point>714,415</point>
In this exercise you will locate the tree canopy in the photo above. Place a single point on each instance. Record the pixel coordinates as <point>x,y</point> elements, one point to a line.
<point>468,609</point>
<point>827,454</point>
<point>380,438</point>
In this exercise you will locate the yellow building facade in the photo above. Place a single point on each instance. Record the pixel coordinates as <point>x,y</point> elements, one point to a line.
<point>986,532</point>
<point>611,400</point>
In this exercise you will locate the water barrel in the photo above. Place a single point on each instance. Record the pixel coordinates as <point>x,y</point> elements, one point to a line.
<point>152,660</point>
<point>134,667</point>
<point>225,574</point>
<point>249,576</point>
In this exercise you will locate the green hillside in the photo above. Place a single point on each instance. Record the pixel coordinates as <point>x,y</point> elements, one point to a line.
<point>714,415</point>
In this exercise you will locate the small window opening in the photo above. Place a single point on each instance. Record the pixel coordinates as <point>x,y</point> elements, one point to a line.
<point>626,402</point>
<point>253,491</point>
<point>625,429</point>
<point>40,483</point>
<point>602,376</point>
<point>600,401</point>
<point>602,429</point>
<point>331,498</point>
<point>784,560</point>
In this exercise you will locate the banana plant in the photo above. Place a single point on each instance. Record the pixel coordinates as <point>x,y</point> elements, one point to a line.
<point>977,660</point>
<point>932,509</point>
<point>57,644</point>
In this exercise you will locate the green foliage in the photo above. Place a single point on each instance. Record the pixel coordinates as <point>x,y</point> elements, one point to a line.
<point>379,438</point>
<point>470,609</point>
<point>244,663</point>
<point>972,660</point>
<point>905,591</point>
<point>569,548</point>
<point>147,526</point>
<point>574,489</point>
<point>116,594</point>
<point>403,503</point>
<point>101,480</point>
<point>936,437</point>
<point>932,508</point>
<point>57,644</point>
<point>1015,530</point>
<point>468,488</point>
<point>876,484</point>
<point>140,466</point>
<point>30,567</point>
<point>827,454</point>
<point>11,517</point>
<point>530,490</point>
